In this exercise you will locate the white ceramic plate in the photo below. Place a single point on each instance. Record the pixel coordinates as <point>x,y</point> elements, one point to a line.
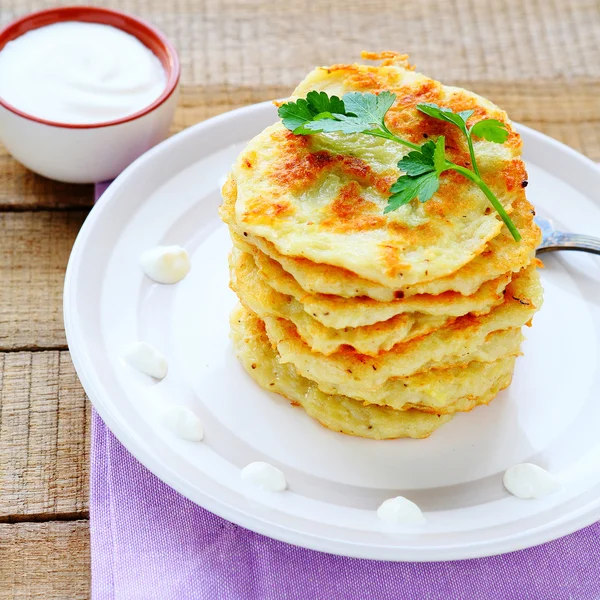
<point>549,416</point>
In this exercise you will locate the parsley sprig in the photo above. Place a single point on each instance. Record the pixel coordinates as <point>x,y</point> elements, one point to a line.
<point>365,113</point>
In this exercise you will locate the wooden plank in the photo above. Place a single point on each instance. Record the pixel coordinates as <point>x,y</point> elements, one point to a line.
<point>250,42</point>
<point>34,250</point>
<point>45,561</point>
<point>20,189</point>
<point>44,445</point>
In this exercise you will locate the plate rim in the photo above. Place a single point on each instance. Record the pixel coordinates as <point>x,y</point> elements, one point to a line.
<point>146,457</point>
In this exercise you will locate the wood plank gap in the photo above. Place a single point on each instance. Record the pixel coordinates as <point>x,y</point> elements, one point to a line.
<point>24,208</point>
<point>55,348</point>
<point>45,517</point>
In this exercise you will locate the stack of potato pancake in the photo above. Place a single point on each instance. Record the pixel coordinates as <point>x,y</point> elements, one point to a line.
<point>379,325</point>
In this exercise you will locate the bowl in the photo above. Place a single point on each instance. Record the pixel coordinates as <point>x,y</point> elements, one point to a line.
<point>88,153</point>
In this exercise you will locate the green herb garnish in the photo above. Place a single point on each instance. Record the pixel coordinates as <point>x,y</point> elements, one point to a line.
<point>365,113</point>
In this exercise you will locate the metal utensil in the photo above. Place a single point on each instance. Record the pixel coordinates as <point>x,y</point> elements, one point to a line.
<point>559,240</point>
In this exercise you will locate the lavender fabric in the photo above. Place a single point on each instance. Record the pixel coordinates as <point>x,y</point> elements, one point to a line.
<point>149,542</point>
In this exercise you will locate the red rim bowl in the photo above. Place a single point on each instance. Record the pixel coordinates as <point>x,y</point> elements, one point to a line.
<point>151,37</point>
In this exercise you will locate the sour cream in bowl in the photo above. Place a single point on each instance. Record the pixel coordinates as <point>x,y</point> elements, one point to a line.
<point>84,91</point>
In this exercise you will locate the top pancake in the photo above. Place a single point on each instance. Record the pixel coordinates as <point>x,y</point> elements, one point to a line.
<point>321,197</point>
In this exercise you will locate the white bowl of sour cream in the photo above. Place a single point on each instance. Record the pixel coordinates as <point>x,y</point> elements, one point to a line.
<point>84,91</point>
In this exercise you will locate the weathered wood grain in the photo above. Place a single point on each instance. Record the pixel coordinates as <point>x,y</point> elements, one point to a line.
<point>34,250</point>
<point>259,42</point>
<point>45,561</point>
<point>44,442</point>
<point>20,189</point>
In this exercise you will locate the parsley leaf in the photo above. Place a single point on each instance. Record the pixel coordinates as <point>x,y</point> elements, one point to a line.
<point>355,113</point>
<point>419,161</point>
<point>423,169</point>
<point>322,103</point>
<point>362,113</point>
<point>316,105</point>
<point>369,108</point>
<point>443,113</point>
<point>491,130</point>
<point>430,157</point>
<point>406,188</point>
<point>296,114</point>
<point>320,113</point>
<point>336,123</point>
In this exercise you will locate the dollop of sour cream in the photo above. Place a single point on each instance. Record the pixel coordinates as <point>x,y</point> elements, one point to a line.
<point>529,481</point>
<point>264,476</point>
<point>79,73</point>
<point>400,511</point>
<point>166,264</point>
<point>181,421</point>
<point>146,358</point>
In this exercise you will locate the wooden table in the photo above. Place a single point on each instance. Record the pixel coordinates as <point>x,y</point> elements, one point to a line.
<point>538,59</point>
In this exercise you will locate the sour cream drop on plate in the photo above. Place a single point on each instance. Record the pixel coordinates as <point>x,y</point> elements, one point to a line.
<point>529,481</point>
<point>80,73</point>
<point>400,511</point>
<point>166,264</point>
<point>146,358</point>
<point>181,421</point>
<point>264,476</point>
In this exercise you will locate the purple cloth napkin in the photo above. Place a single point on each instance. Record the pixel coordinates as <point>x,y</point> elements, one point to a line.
<point>149,542</point>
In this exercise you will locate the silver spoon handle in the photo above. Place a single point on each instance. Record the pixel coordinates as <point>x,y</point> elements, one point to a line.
<point>570,241</point>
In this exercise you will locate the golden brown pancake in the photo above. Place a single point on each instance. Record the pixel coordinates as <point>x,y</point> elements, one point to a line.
<point>447,346</point>
<point>334,412</point>
<point>336,312</point>
<point>255,293</point>
<point>380,325</point>
<point>501,255</point>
